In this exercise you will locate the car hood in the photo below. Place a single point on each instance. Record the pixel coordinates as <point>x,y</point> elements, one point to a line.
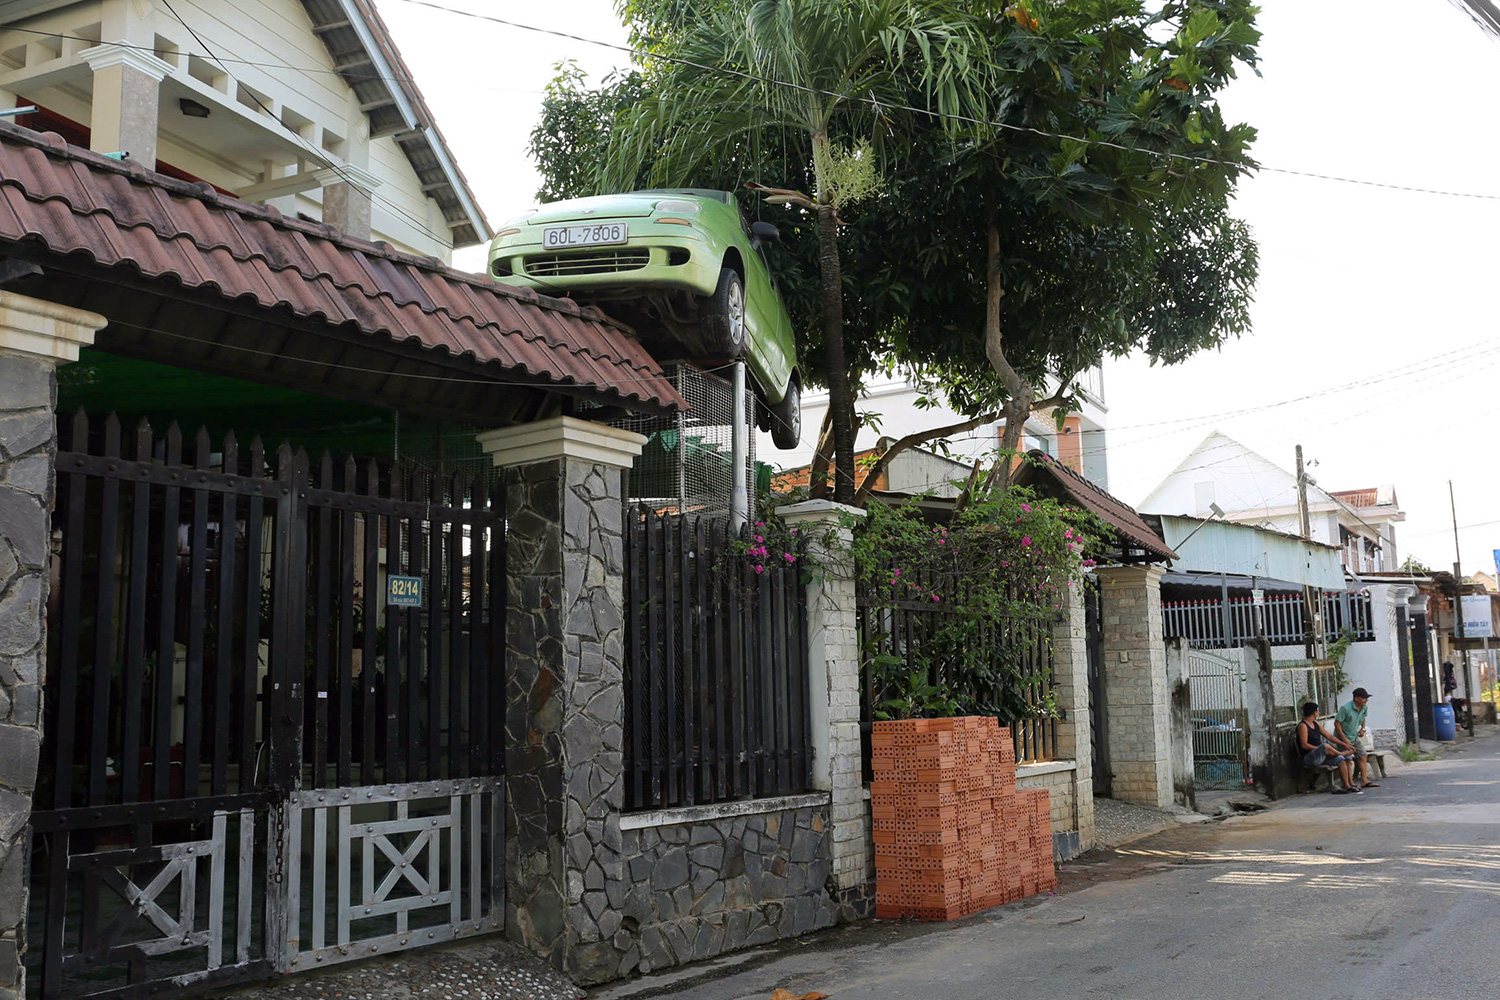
<point>612,206</point>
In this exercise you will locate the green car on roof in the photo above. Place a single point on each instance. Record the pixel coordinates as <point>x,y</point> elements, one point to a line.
<point>683,266</point>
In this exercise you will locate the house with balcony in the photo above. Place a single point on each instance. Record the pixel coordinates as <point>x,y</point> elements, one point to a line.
<point>306,107</point>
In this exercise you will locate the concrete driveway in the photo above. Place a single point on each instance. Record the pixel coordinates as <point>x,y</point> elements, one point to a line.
<point>1390,894</point>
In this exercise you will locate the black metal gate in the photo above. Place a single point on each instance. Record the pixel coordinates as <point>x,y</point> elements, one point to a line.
<point>1093,617</point>
<point>228,680</point>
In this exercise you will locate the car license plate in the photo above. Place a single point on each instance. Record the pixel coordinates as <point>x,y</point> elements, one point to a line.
<point>597,234</point>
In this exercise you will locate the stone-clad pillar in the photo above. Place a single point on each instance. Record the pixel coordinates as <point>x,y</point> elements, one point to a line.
<point>834,697</point>
<point>1070,680</point>
<point>35,337</point>
<point>564,683</point>
<point>1135,678</point>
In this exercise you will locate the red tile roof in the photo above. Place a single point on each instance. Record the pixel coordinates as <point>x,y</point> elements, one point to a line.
<point>1358,498</point>
<point>1132,531</point>
<point>864,461</point>
<point>72,201</point>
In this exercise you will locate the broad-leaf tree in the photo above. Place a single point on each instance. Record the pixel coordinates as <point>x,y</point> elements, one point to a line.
<point>1051,181</point>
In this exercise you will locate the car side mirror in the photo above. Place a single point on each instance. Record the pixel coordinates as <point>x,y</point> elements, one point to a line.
<point>763,232</point>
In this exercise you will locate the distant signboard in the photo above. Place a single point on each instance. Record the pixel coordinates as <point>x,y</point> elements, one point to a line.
<point>403,591</point>
<point>1476,611</point>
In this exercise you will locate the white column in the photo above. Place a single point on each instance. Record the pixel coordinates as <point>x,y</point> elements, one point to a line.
<point>1075,735</point>
<point>834,694</point>
<point>127,98</point>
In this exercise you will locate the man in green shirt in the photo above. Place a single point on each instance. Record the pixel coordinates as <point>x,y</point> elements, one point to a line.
<point>1349,726</point>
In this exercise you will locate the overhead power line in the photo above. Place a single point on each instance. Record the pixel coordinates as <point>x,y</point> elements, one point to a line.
<point>883,106</point>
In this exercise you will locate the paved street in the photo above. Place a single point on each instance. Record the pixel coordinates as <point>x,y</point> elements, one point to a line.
<point>1394,893</point>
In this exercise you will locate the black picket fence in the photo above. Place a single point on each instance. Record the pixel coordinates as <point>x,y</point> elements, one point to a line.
<point>902,620</point>
<point>716,702</point>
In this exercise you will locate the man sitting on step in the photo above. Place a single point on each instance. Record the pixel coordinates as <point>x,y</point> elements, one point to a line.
<point>1322,749</point>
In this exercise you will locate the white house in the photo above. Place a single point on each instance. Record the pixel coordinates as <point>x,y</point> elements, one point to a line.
<point>894,405</point>
<point>304,105</point>
<point>1251,489</point>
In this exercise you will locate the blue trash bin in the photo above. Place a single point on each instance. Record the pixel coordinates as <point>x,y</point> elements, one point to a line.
<point>1444,722</point>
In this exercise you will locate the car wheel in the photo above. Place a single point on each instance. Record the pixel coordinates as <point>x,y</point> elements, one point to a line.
<point>786,418</point>
<point>724,325</point>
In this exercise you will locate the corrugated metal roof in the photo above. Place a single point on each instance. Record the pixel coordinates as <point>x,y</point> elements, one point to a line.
<point>73,201</point>
<point>1226,547</point>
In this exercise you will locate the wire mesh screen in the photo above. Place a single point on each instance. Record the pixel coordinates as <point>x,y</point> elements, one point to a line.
<point>687,465</point>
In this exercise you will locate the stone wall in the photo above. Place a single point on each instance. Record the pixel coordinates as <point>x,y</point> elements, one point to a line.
<point>27,452</point>
<point>698,889</point>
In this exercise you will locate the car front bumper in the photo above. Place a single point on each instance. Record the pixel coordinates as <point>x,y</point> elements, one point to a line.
<point>654,257</point>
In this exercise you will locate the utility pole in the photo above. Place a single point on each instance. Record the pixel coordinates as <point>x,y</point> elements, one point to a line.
<point>1458,607</point>
<point>1302,497</point>
<point>1309,603</point>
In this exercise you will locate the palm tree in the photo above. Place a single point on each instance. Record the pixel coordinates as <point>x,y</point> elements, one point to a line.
<point>751,68</point>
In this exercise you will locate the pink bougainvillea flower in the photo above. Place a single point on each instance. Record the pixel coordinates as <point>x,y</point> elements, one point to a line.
<point>1026,507</point>
<point>1004,562</point>
<point>760,569</point>
<point>936,598</point>
<point>1026,540</point>
<point>897,571</point>
<point>791,558</point>
<point>760,538</point>
<point>1068,533</point>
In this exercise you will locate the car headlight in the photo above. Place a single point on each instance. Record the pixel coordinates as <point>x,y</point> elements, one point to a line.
<point>676,205</point>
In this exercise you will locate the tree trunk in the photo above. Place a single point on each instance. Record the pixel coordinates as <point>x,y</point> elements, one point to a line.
<point>911,441</point>
<point>839,402</point>
<point>1018,390</point>
<point>817,479</point>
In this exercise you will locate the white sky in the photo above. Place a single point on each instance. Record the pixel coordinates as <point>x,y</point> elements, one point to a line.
<point>1355,281</point>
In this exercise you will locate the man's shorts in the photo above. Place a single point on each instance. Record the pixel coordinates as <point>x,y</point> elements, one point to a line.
<point>1319,756</point>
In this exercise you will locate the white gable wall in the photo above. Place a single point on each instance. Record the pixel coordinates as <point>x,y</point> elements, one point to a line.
<point>268,47</point>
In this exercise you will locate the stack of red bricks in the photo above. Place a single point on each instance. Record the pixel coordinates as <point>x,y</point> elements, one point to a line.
<point>953,834</point>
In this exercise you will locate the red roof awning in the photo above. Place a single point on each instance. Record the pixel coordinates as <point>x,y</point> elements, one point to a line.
<point>1130,530</point>
<point>121,215</point>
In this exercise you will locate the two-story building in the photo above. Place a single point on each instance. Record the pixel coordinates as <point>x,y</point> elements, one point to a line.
<point>304,106</point>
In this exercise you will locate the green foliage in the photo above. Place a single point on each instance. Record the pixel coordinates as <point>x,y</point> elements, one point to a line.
<point>1411,752</point>
<point>1114,237</point>
<point>987,588</point>
<point>1337,650</point>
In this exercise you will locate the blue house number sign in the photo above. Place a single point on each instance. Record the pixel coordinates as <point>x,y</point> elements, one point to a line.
<point>403,591</point>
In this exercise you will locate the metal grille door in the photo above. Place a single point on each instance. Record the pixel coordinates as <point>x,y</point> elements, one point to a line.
<point>256,758</point>
<point>1220,733</point>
